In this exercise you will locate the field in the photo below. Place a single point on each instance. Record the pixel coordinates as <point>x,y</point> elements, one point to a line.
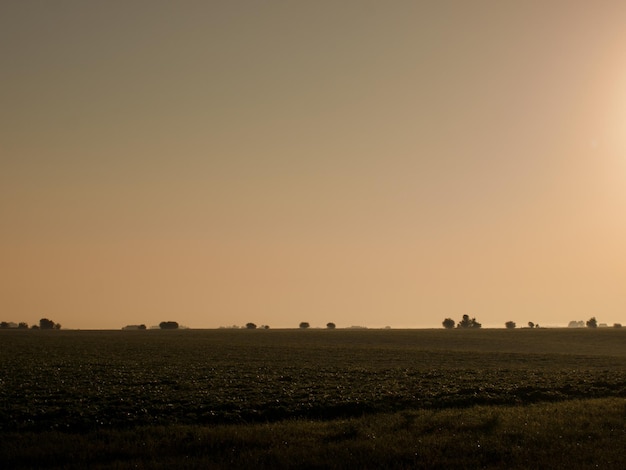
<point>313,398</point>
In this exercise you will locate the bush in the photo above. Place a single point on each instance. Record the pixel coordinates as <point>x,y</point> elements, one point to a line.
<point>331,326</point>
<point>510,325</point>
<point>448,323</point>
<point>250,326</point>
<point>304,325</point>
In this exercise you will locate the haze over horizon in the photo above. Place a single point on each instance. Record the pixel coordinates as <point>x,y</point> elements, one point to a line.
<point>365,163</point>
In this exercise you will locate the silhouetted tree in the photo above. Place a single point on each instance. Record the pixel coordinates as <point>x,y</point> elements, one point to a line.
<point>331,326</point>
<point>168,325</point>
<point>142,327</point>
<point>46,324</point>
<point>468,322</point>
<point>531,324</point>
<point>510,325</point>
<point>465,322</point>
<point>304,325</point>
<point>22,325</point>
<point>4,325</point>
<point>251,326</point>
<point>617,325</point>
<point>448,323</point>
<point>592,323</point>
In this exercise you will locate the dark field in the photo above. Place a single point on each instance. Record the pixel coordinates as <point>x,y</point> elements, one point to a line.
<point>183,388</point>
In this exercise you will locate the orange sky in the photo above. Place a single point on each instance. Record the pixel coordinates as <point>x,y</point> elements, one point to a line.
<point>365,163</point>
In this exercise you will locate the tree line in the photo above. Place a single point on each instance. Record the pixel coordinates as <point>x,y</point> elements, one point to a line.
<point>303,326</point>
<point>44,324</point>
<point>164,325</point>
<point>467,322</point>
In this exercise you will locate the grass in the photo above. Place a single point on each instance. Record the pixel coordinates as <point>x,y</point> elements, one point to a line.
<point>313,399</point>
<point>573,434</point>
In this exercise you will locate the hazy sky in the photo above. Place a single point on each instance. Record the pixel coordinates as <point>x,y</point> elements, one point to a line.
<point>362,162</point>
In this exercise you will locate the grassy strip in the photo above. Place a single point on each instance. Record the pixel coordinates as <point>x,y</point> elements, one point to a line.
<point>575,434</point>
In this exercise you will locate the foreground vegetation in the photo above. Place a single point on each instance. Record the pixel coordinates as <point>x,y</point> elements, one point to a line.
<point>314,398</point>
<point>567,435</point>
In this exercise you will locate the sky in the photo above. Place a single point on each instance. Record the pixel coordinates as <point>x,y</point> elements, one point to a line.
<point>359,162</point>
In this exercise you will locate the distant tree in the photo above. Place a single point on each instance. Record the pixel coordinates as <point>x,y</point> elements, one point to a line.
<point>46,324</point>
<point>4,325</point>
<point>448,323</point>
<point>510,325</point>
<point>304,325</point>
<point>57,326</point>
<point>22,325</point>
<point>251,326</point>
<point>468,322</point>
<point>592,323</point>
<point>331,326</point>
<point>34,327</point>
<point>266,327</point>
<point>617,325</point>
<point>168,325</point>
<point>142,327</point>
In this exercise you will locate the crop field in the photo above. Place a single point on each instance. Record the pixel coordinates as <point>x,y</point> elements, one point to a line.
<point>336,384</point>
